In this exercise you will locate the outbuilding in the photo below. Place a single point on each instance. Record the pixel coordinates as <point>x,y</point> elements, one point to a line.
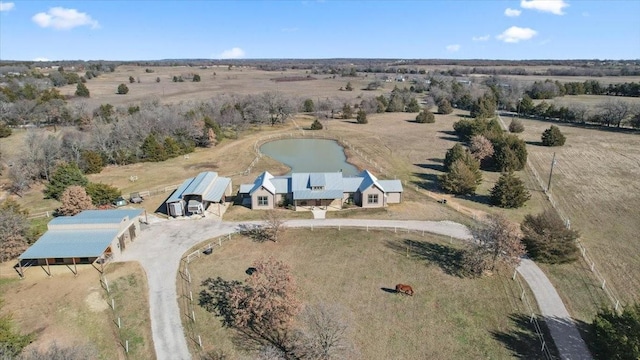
<point>196,194</point>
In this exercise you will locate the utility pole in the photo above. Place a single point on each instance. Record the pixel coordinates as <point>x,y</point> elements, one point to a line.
<point>553,163</point>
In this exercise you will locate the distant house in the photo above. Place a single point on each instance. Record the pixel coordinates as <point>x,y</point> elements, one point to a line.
<point>324,190</point>
<point>196,194</point>
<point>84,238</point>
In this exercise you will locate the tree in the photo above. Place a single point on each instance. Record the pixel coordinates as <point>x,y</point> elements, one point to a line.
<point>413,106</point>
<point>273,224</point>
<point>510,153</point>
<point>5,131</point>
<point>122,89</point>
<point>480,147</point>
<point>308,106</point>
<point>361,118</point>
<point>74,200</point>
<point>455,153</point>
<point>500,240</point>
<point>11,341</point>
<point>617,336</point>
<point>325,333</point>
<point>547,239</point>
<point>196,78</point>
<point>509,192</point>
<point>516,126</point>
<point>425,117</point>
<point>131,80</point>
<point>444,107</point>
<point>347,111</point>
<point>462,179</point>
<point>13,228</point>
<point>349,87</point>
<point>316,125</point>
<point>152,150</point>
<point>64,176</point>
<point>91,162</point>
<point>158,79</point>
<point>553,137</point>
<point>615,112</point>
<point>484,107</point>
<point>82,90</point>
<point>102,194</point>
<point>262,309</point>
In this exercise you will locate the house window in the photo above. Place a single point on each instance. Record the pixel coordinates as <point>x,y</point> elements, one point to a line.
<point>317,188</point>
<point>372,198</point>
<point>263,201</point>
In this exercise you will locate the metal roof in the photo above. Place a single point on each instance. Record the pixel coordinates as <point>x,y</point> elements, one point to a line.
<point>96,217</point>
<point>351,183</point>
<point>263,180</point>
<point>177,195</point>
<point>201,183</point>
<point>368,180</point>
<point>389,186</point>
<point>317,194</point>
<point>281,184</point>
<point>216,192</point>
<point>301,184</point>
<point>70,243</point>
<point>317,179</point>
<point>245,188</point>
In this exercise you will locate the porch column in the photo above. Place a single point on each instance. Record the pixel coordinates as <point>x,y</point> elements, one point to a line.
<point>75,268</point>
<point>46,260</point>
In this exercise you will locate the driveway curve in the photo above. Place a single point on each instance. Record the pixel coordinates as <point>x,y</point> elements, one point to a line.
<point>161,245</point>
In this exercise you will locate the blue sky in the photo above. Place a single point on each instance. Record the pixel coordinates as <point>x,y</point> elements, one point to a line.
<point>152,30</point>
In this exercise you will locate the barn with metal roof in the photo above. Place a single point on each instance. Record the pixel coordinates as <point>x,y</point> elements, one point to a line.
<point>84,238</point>
<point>195,195</point>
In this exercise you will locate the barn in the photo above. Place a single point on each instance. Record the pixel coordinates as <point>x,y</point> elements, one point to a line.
<point>196,194</point>
<point>84,238</point>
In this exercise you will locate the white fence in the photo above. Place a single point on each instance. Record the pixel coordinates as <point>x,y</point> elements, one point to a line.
<point>615,301</point>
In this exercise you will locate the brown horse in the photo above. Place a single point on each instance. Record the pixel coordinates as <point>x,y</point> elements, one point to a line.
<point>404,289</point>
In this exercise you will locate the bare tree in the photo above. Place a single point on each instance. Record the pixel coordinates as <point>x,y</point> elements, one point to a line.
<point>13,225</point>
<point>500,239</point>
<point>325,333</point>
<point>614,112</point>
<point>480,147</point>
<point>274,224</point>
<point>55,352</point>
<point>74,200</point>
<point>580,111</point>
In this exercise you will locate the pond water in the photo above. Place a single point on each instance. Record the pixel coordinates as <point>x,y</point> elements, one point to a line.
<point>310,155</point>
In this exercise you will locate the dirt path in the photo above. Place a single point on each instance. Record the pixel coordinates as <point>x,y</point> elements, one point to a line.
<point>162,244</point>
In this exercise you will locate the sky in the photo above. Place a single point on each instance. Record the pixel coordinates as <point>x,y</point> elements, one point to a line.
<point>312,29</point>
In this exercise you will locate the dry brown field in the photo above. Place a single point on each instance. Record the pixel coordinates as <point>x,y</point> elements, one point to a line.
<point>74,310</point>
<point>591,101</point>
<point>449,317</point>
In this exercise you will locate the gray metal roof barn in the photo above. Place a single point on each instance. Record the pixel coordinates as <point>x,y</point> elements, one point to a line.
<point>196,194</point>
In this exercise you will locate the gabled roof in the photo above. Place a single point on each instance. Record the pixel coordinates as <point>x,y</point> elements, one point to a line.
<point>368,180</point>
<point>351,183</point>
<point>263,180</point>
<point>201,183</point>
<point>216,192</point>
<point>70,243</point>
<point>206,184</point>
<point>331,183</point>
<point>96,217</point>
<point>282,184</point>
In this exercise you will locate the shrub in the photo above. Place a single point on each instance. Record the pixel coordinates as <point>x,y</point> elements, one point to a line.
<point>82,90</point>
<point>509,192</point>
<point>617,336</point>
<point>547,239</point>
<point>553,137</point>
<point>316,125</point>
<point>444,107</point>
<point>5,131</point>
<point>122,89</point>
<point>362,117</point>
<point>131,79</point>
<point>425,117</point>
<point>516,126</point>
<point>196,78</point>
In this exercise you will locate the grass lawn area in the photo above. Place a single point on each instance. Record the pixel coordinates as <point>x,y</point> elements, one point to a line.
<point>449,317</point>
<point>73,310</point>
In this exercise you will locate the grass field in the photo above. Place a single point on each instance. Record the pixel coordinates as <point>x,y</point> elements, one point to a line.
<point>448,318</point>
<point>73,310</point>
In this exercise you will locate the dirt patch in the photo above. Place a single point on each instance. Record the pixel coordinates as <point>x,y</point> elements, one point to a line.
<point>95,301</point>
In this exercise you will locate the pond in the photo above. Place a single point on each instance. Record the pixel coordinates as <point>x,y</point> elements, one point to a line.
<point>310,155</point>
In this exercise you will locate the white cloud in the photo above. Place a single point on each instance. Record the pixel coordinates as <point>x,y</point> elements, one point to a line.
<point>516,34</point>
<point>453,48</point>
<point>235,53</point>
<point>481,38</point>
<point>64,19</point>
<point>6,6</point>
<point>512,12</point>
<point>41,59</point>
<point>551,6</point>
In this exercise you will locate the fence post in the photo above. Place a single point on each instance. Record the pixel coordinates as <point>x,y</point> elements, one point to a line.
<point>603,283</point>
<point>126,346</point>
<point>119,324</point>
<point>113,304</point>
<point>515,272</point>
<point>200,341</point>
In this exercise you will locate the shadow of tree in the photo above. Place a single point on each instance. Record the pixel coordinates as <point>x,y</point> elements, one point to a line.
<point>436,167</point>
<point>448,258</point>
<point>427,181</point>
<point>257,233</point>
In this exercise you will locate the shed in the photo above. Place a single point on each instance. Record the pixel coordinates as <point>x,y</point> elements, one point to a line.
<point>195,195</point>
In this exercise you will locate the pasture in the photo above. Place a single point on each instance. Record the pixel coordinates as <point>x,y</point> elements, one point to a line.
<point>74,310</point>
<point>449,317</point>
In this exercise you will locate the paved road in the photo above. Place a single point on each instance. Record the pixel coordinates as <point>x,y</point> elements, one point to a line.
<point>160,247</point>
<point>562,328</point>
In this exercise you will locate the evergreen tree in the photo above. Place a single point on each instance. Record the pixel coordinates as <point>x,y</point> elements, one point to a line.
<point>64,176</point>
<point>509,192</point>
<point>510,153</point>
<point>547,239</point>
<point>484,107</point>
<point>172,147</point>
<point>413,106</point>
<point>362,117</point>
<point>461,179</point>
<point>91,162</point>
<point>617,336</point>
<point>152,150</point>
<point>457,152</point>
<point>553,137</point>
<point>309,106</point>
<point>102,194</point>
<point>444,107</point>
<point>82,90</point>
<point>347,111</point>
<point>425,116</point>
<point>131,80</point>
<point>349,87</point>
<point>196,78</point>
<point>316,125</point>
<point>516,126</point>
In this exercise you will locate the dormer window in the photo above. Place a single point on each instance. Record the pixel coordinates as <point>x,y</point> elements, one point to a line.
<point>317,188</point>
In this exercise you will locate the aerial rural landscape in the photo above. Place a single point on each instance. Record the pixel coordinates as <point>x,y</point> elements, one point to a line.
<point>343,187</point>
